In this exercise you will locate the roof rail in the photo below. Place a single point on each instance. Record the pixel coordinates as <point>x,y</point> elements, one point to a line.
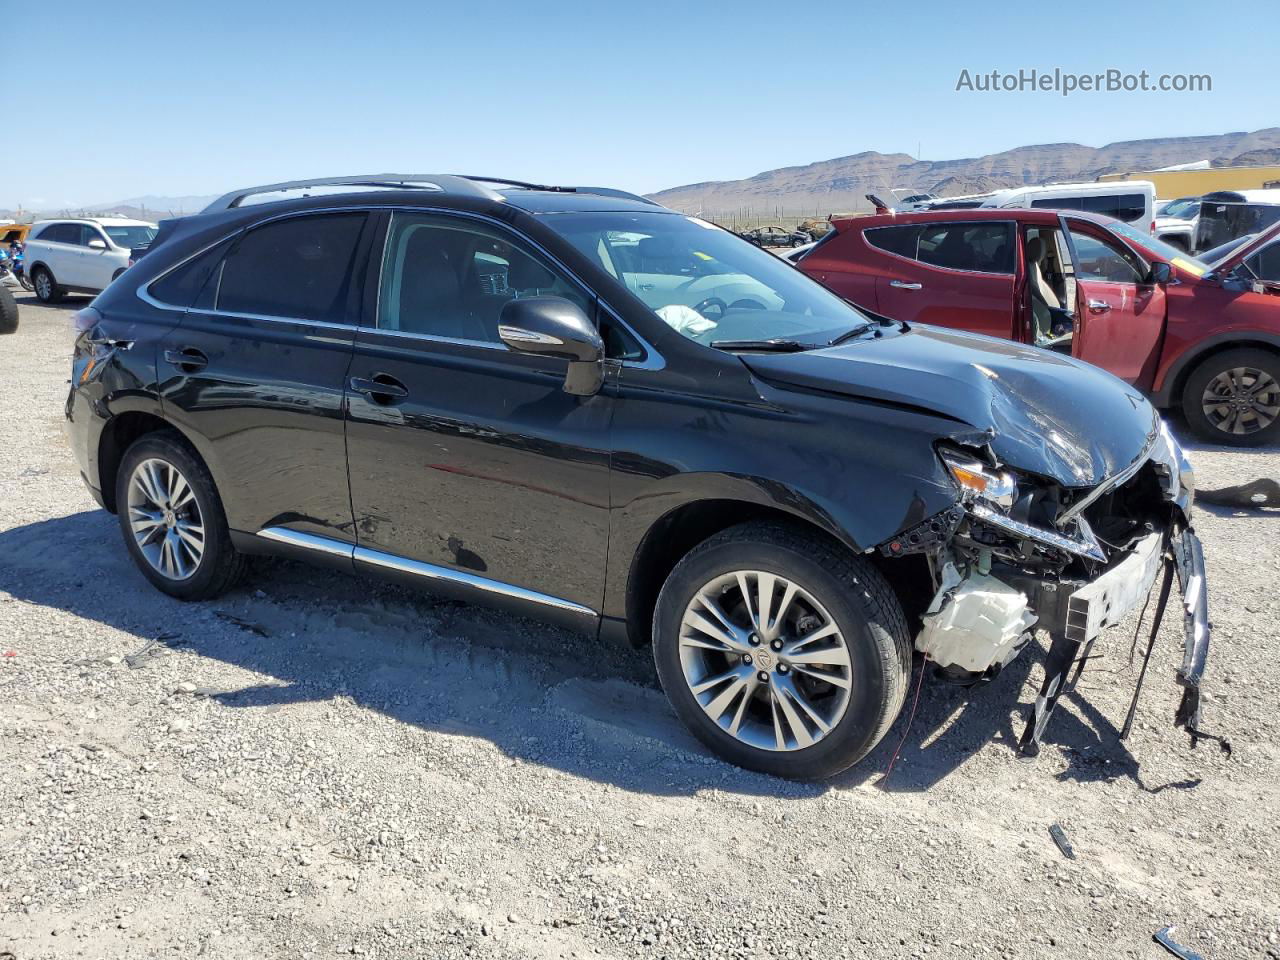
<point>596,191</point>
<point>431,181</point>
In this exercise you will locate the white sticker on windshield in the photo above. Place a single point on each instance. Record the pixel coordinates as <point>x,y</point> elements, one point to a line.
<point>702,223</point>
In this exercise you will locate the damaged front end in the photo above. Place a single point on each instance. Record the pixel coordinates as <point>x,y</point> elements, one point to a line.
<point>1018,551</point>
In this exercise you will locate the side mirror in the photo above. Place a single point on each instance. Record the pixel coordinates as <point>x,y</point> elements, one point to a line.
<point>1161,273</point>
<point>97,245</point>
<point>556,327</point>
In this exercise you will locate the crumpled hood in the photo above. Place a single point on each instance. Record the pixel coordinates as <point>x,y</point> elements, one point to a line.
<point>1045,412</point>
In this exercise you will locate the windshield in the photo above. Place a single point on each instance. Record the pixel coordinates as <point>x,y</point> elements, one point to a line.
<point>705,282</point>
<point>1164,251</point>
<point>1182,209</point>
<point>130,236</point>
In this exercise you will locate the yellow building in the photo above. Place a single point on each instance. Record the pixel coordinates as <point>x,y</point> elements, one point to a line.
<point>1171,184</point>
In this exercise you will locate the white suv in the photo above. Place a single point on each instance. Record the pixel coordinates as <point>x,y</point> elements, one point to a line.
<point>81,256</point>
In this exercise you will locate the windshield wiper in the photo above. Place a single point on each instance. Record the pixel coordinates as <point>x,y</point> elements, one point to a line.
<point>772,346</point>
<point>848,335</point>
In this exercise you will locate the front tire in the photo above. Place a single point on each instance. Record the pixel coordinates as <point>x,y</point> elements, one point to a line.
<point>46,287</point>
<point>1233,398</point>
<point>781,651</point>
<point>172,519</point>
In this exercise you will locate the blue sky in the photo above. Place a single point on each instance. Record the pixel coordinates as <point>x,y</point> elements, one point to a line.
<point>174,98</point>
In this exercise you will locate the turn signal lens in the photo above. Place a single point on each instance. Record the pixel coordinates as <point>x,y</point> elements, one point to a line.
<point>977,480</point>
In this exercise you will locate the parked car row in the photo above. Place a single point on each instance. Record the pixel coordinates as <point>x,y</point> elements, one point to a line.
<point>503,392</point>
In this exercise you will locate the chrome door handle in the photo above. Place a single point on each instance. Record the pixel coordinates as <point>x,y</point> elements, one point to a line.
<point>188,360</point>
<point>904,285</point>
<point>1099,306</point>
<point>380,388</point>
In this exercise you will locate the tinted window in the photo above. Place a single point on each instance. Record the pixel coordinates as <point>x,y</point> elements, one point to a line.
<point>1123,206</point>
<point>447,277</point>
<point>1265,264</point>
<point>1099,260</point>
<point>180,287</point>
<point>61,233</point>
<point>982,247</point>
<point>899,240</point>
<point>299,267</point>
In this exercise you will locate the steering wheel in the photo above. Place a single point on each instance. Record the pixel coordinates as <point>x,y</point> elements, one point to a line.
<point>710,302</point>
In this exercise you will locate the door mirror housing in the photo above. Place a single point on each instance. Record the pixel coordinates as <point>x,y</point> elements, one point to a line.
<point>556,327</point>
<point>1160,273</point>
<point>97,244</point>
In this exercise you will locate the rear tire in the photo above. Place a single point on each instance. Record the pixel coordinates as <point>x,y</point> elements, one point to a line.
<point>46,287</point>
<point>180,542</point>
<point>806,708</point>
<point>1233,398</point>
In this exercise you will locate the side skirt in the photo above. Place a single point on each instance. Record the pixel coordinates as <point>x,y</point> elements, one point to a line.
<point>469,587</point>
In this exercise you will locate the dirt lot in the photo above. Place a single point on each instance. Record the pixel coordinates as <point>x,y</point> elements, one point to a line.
<point>319,766</point>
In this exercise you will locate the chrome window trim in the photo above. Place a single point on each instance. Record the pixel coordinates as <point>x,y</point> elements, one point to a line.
<point>428,571</point>
<point>653,359</point>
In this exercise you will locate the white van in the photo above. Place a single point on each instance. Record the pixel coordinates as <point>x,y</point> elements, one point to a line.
<point>1132,201</point>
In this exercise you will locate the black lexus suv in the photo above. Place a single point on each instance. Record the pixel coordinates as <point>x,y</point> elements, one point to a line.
<point>579,405</point>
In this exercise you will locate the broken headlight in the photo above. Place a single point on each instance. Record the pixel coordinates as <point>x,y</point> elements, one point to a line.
<point>989,495</point>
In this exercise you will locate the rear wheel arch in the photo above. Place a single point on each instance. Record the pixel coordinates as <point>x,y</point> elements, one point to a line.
<point>120,433</point>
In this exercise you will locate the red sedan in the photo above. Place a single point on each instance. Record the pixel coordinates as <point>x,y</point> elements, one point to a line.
<point>1203,337</point>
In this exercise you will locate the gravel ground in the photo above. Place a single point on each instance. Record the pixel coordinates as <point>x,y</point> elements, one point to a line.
<point>317,765</point>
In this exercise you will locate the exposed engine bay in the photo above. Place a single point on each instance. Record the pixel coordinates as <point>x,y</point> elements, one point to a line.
<point>1019,552</point>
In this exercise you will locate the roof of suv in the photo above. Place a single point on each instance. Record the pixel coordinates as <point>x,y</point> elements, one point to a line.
<point>412,188</point>
<point>101,221</point>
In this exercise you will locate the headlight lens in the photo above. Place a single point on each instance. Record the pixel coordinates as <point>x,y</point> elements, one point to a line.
<point>978,481</point>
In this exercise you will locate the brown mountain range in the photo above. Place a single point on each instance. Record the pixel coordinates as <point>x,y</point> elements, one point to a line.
<point>840,184</point>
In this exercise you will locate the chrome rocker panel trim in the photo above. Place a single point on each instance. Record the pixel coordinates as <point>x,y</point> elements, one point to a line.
<point>418,569</point>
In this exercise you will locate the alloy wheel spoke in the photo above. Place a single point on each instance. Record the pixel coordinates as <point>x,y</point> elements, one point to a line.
<point>764,602</point>
<point>835,679</point>
<point>799,732</point>
<point>794,692</point>
<point>718,636</point>
<point>833,656</point>
<point>722,701</point>
<point>745,589</point>
<point>192,536</point>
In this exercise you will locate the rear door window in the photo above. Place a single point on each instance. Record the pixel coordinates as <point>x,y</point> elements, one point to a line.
<point>61,233</point>
<point>975,247</point>
<point>900,240</point>
<point>299,268</point>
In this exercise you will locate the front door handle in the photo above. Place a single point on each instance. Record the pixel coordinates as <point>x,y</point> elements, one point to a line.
<point>188,359</point>
<point>1099,306</point>
<point>905,285</point>
<point>380,388</point>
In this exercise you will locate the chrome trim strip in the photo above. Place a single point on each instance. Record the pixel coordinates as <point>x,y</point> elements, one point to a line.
<point>309,541</point>
<point>1111,482</point>
<point>653,360</point>
<point>428,571</point>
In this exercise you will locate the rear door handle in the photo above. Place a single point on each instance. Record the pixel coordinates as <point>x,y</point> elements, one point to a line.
<point>1099,306</point>
<point>905,285</point>
<point>188,359</point>
<point>380,388</point>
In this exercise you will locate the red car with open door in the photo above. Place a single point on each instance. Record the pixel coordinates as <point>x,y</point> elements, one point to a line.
<point>1203,338</point>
